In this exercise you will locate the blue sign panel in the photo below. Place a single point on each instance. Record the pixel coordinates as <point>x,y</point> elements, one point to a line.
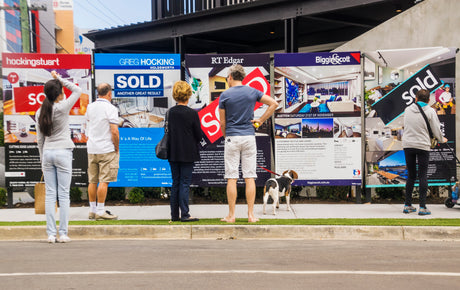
<point>138,85</point>
<point>138,164</point>
<point>136,61</point>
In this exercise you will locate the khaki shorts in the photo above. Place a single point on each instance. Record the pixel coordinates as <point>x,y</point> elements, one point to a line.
<point>244,147</point>
<point>103,167</point>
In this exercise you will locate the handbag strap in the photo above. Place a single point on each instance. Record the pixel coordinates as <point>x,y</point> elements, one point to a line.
<point>166,121</point>
<point>426,120</point>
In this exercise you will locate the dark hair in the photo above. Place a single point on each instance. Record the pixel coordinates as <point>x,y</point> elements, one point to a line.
<point>237,72</point>
<point>103,89</point>
<point>423,95</point>
<point>53,88</point>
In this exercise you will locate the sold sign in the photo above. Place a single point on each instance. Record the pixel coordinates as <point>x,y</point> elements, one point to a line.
<point>29,99</point>
<point>209,116</point>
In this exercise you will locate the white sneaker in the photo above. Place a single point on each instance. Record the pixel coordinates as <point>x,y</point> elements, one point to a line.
<point>107,215</point>
<point>51,239</point>
<point>64,239</point>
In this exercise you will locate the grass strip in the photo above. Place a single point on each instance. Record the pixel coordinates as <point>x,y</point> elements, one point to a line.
<point>288,222</point>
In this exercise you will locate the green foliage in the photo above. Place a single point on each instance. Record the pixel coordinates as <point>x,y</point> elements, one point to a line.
<point>295,191</point>
<point>75,194</point>
<point>395,193</point>
<point>2,197</point>
<point>116,193</point>
<point>333,192</point>
<point>136,195</point>
<point>152,192</point>
<point>218,194</point>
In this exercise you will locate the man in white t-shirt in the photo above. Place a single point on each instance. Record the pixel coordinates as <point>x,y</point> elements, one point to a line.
<point>103,154</point>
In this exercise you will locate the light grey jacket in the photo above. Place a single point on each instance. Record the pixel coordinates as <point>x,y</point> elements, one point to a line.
<point>415,130</point>
<point>60,134</point>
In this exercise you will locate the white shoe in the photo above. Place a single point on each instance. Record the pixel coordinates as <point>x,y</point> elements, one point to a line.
<point>107,215</point>
<point>51,239</point>
<point>64,239</point>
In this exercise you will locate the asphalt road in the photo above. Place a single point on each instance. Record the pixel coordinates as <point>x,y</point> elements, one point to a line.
<point>230,264</point>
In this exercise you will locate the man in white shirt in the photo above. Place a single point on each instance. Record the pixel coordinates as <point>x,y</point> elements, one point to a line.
<point>103,153</point>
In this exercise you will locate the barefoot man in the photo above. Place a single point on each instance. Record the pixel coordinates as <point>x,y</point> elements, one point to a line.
<point>236,109</point>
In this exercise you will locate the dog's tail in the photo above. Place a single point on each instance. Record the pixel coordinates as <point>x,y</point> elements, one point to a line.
<point>270,184</point>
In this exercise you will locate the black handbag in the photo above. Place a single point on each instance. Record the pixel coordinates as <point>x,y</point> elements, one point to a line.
<point>162,148</point>
<point>433,140</point>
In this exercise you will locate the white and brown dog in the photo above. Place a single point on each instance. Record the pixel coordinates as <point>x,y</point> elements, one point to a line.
<point>276,187</point>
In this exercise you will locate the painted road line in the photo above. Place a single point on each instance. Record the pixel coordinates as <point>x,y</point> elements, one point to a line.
<point>270,272</point>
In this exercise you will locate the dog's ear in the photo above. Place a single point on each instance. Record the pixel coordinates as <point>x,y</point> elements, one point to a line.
<point>294,174</point>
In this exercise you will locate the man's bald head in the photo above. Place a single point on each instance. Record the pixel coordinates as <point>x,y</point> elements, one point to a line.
<point>104,90</point>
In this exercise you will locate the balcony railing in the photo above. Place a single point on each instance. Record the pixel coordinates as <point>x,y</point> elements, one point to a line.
<point>167,8</point>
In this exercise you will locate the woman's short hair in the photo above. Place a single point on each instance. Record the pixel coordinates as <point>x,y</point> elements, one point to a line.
<point>423,95</point>
<point>181,91</point>
<point>237,72</point>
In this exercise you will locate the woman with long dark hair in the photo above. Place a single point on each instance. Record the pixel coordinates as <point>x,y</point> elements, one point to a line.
<point>55,147</point>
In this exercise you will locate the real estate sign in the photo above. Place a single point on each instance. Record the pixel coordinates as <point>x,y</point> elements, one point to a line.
<point>24,76</point>
<point>318,123</point>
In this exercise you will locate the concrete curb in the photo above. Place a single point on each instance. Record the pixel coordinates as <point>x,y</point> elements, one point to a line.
<point>217,232</point>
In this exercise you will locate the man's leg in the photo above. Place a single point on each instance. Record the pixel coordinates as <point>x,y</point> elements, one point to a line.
<point>92,189</point>
<point>249,169</point>
<point>108,172</point>
<point>250,198</point>
<point>101,195</point>
<point>231,197</point>
<point>93,179</point>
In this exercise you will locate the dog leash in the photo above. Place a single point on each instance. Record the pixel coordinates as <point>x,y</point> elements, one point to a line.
<point>268,170</point>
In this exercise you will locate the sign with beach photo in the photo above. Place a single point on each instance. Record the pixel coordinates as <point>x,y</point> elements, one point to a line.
<point>402,72</point>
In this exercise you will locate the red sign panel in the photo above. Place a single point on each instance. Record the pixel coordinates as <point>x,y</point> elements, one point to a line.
<point>209,116</point>
<point>46,61</point>
<point>29,99</point>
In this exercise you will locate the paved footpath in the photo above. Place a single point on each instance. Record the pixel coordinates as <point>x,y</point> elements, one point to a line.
<point>253,231</point>
<point>299,211</point>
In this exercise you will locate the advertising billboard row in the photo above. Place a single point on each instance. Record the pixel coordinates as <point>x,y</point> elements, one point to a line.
<point>317,128</point>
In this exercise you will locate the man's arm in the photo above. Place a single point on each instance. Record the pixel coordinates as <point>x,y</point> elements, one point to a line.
<point>222,120</point>
<point>272,105</point>
<point>115,136</point>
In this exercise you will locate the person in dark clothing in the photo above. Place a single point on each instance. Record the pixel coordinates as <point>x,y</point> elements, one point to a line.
<point>184,136</point>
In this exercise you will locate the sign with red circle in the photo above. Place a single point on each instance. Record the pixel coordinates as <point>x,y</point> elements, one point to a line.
<point>13,77</point>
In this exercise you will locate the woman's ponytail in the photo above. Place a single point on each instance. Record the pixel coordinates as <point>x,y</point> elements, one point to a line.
<point>53,88</point>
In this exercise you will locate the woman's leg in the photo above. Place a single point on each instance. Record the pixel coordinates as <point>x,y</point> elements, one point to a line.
<point>423,158</point>
<point>174,198</point>
<point>184,189</point>
<point>63,165</point>
<point>411,164</point>
<point>50,176</point>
